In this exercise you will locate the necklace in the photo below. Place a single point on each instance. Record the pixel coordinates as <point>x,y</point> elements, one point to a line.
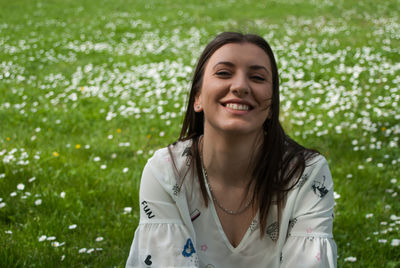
<point>228,211</point>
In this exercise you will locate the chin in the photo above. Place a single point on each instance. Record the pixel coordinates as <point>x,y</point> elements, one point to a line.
<point>240,130</point>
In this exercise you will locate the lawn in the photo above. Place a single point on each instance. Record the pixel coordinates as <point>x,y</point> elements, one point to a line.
<point>90,89</point>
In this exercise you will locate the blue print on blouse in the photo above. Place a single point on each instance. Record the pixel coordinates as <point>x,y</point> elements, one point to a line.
<point>188,249</point>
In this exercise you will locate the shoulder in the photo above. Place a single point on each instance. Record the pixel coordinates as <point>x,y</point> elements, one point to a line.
<point>317,169</point>
<point>315,187</point>
<point>167,157</point>
<point>166,163</point>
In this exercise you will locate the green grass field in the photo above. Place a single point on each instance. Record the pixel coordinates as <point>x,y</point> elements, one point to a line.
<point>90,89</point>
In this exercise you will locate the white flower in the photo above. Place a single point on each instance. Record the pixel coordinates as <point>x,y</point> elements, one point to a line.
<point>82,250</point>
<point>87,146</point>
<point>96,159</point>
<point>336,195</point>
<point>21,186</point>
<point>369,215</point>
<point>99,239</point>
<point>125,170</point>
<point>127,210</point>
<point>395,242</point>
<point>162,133</point>
<point>90,250</point>
<point>8,232</point>
<point>62,194</point>
<point>38,202</point>
<point>383,241</point>
<point>103,166</point>
<point>42,238</point>
<point>2,175</point>
<point>55,244</point>
<point>62,257</point>
<point>13,194</point>
<point>51,238</point>
<point>394,217</point>
<point>2,204</point>
<point>73,226</point>
<point>32,179</point>
<point>109,137</point>
<point>350,259</point>
<point>114,155</point>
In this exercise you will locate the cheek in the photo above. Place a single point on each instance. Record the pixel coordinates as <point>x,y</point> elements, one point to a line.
<point>264,97</point>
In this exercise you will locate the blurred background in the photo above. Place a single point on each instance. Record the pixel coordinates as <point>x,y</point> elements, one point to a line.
<point>90,89</point>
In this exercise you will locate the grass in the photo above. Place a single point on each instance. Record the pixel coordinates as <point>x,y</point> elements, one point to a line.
<point>90,89</point>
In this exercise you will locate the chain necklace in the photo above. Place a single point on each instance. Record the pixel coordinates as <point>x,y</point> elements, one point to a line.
<point>228,211</point>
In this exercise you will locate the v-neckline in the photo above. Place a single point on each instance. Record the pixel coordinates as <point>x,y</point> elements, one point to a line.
<point>221,229</point>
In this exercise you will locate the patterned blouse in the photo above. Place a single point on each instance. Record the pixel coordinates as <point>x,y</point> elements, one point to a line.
<point>176,229</point>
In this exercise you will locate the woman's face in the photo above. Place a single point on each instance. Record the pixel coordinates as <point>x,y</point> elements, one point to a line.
<point>236,91</point>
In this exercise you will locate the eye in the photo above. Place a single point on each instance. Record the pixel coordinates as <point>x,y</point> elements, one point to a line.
<point>257,78</point>
<point>223,73</point>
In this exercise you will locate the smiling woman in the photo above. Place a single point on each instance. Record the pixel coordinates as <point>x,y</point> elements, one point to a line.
<point>235,190</point>
<point>236,91</point>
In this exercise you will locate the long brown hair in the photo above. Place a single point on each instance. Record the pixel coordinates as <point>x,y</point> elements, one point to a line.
<point>280,161</point>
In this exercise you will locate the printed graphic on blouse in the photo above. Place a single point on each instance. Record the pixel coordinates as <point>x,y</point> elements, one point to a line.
<point>176,189</point>
<point>292,222</point>
<point>319,188</point>
<point>318,256</point>
<point>188,249</point>
<point>273,231</point>
<point>253,225</point>
<point>147,210</point>
<point>148,261</point>
<point>302,180</point>
<point>203,247</point>
<point>188,153</point>
<point>195,214</point>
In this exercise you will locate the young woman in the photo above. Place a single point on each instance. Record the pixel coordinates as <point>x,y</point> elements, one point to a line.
<point>235,190</point>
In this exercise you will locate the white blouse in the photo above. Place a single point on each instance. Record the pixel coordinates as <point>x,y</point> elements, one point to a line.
<point>177,230</point>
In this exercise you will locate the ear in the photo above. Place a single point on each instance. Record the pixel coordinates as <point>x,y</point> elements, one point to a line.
<point>198,107</point>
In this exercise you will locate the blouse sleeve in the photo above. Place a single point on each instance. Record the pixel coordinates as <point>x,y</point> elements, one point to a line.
<point>310,241</point>
<point>162,238</point>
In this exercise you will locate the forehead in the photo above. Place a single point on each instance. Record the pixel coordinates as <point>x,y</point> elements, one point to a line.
<point>246,54</point>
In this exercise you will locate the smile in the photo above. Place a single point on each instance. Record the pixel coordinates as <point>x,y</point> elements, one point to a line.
<point>238,106</point>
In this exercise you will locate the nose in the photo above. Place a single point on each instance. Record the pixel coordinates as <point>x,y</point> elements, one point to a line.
<point>240,86</point>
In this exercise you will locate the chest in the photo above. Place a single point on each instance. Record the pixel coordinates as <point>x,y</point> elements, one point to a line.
<point>235,226</point>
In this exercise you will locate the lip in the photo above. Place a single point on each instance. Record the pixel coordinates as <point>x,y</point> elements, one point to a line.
<point>238,101</point>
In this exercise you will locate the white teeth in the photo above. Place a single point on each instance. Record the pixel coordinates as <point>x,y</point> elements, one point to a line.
<point>237,106</point>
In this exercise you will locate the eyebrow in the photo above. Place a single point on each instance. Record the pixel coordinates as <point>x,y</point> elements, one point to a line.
<point>252,67</point>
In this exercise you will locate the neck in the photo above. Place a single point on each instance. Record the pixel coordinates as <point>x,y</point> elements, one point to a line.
<point>228,158</point>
